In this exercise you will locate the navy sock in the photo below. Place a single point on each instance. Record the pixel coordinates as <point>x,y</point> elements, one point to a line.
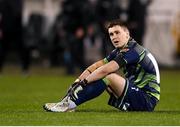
<point>90,91</point>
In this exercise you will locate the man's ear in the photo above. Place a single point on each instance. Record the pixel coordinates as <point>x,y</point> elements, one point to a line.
<point>127,36</point>
<point>127,33</point>
<point>126,30</point>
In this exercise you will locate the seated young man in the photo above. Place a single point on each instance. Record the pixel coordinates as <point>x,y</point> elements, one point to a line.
<point>137,90</point>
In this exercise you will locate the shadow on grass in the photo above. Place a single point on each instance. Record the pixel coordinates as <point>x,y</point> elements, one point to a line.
<point>118,111</point>
<point>98,110</point>
<point>167,111</point>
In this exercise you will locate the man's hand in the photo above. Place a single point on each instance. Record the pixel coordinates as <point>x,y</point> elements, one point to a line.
<point>83,83</point>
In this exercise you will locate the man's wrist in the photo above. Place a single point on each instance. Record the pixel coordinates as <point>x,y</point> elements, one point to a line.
<point>84,82</point>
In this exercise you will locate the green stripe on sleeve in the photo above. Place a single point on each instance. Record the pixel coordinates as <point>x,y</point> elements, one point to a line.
<point>142,56</point>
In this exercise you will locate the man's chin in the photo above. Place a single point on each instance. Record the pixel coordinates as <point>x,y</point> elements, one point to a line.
<point>117,46</point>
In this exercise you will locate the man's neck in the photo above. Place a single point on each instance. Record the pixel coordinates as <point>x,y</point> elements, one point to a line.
<point>125,45</point>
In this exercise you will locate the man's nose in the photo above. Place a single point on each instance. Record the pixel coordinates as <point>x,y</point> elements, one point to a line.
<point>114,37</point>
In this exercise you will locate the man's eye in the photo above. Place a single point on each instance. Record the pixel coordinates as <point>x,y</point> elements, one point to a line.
<point>117,32</point>
<point>111,34</point>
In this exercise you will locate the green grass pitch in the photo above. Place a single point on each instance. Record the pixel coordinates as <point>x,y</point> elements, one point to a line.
<point>22,98</point>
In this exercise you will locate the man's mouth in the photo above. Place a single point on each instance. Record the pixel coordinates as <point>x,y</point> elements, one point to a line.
<point>116,42</point>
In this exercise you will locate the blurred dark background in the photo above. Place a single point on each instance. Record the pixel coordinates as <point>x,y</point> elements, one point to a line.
<point>71,34</point>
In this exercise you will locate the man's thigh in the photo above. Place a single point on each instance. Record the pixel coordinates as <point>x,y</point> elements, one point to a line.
<point>133,99</point>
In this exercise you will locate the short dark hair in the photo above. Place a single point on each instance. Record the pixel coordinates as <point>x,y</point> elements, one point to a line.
<point>114,23</point>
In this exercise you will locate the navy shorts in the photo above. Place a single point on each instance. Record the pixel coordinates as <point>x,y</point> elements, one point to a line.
<point>133,99</point>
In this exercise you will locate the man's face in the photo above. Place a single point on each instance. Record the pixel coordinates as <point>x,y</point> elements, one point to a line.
<point>118,35</point>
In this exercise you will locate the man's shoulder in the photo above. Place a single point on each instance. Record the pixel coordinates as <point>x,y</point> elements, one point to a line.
<point>133,45</point>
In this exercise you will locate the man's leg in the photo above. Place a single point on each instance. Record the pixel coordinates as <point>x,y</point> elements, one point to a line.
<point>128,96</point>
<point>92,90</point>
<point>81,94</point>
<point>78,95</point>
<point>117,88</point>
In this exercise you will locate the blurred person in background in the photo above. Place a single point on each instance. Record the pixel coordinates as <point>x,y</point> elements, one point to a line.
<point>92,44</point>
<point>138,89</point>
<point>59,42</point>
<point>123,6</point>
<point>176,33</point>
<point>106,10</point>
<point>137,14</point>
<point>33,40</point>
<point>72,25</point>
<point>12,32</point>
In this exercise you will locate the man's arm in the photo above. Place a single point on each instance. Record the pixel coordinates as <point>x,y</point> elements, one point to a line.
<point>102,71</point>
<point>90,69</point>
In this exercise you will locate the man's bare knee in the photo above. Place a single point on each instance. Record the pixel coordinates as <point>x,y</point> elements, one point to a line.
<point>114,75</point>
<point>116,82</point>
<point>109,76</point>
